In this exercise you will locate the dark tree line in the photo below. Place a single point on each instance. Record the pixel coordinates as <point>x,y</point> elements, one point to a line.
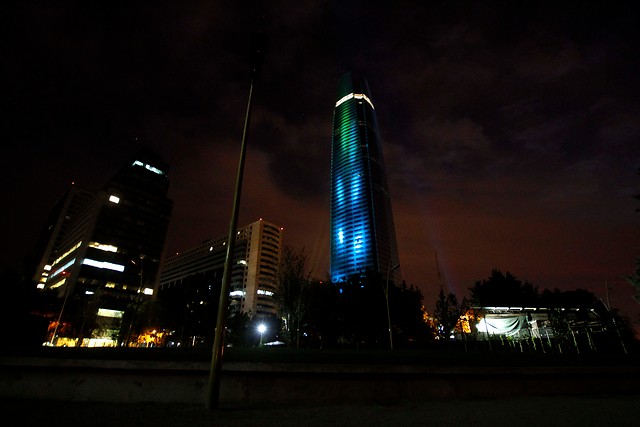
<point>352,313</point>
<point>634,278</point>
<point>27,310</point>
<point>313,313</point>
<point>448,311</point>
<point>503,290</point>
<point>571,313</point>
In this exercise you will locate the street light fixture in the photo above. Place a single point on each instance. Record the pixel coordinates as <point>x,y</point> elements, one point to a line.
<point>262,328</point>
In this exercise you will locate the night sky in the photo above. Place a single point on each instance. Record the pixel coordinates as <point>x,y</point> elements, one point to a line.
<point>510,129</point>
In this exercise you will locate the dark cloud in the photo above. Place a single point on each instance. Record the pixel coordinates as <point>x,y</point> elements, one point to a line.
<point>510,130</point>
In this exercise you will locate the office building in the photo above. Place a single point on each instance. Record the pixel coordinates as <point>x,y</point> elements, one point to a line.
<point>254,277</point>
<point>48,245</point>
<point>105,259</point>
<point>362,228</point>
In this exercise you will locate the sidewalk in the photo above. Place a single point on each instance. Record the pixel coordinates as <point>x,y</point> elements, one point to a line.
<point>533,411</point>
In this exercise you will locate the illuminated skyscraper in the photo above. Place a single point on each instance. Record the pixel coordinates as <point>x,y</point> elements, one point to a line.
<point>107,250</point>
<point>362,229</point>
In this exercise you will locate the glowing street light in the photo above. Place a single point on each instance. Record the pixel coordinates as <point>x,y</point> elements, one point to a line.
<point>262,328</point>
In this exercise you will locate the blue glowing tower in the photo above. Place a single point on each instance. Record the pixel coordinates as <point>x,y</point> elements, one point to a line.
<point>362,230</point>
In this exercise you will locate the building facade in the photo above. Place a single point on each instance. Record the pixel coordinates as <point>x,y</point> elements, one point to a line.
<point>60,218</point>
<point>106,259</point>
<point>254,276</point>
<point>362,227</point>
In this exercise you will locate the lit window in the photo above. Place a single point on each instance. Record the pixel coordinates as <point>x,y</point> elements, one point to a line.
<point>114,199</point>
<point>148,167</point>
<point>104,312</point>
<point>107,248</point>
<point>62,269</point>
<point>103,264</point>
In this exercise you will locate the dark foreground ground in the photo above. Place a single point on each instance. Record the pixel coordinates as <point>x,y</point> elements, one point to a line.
<point>605,410</point>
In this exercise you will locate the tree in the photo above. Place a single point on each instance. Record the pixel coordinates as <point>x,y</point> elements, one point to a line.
<point>361,306</point>
<point>408,316</point>
<point>353,313</point>
<point>190,310</point>
<point>29,309</point>
<point>324,319</point>
<point>634,280</point>
<point>292,286</point>
<point>237,330</point>
<point>448,312</point>
<point>578,298</point>
<point>503,290</point>
<point>637,196</point>
<point>566,323</point>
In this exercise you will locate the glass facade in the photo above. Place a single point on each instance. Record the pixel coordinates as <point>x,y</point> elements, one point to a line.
<point>108,256</point>
<point>362,228</point>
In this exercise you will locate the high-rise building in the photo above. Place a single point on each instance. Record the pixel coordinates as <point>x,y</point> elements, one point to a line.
<point>105,259</point>
<point>362,228</point>
<point>254,276</point>
<point>61,216</point>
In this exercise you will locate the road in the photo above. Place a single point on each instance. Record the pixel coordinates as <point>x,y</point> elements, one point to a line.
<point>537,411</point>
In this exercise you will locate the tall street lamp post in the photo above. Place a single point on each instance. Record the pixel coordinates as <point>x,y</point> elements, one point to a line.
<point>258,45</point>
<point>386,295</point>
<point>262,328</point>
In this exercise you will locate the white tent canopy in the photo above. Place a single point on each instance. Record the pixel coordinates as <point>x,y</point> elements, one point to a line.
<point>508,325</point>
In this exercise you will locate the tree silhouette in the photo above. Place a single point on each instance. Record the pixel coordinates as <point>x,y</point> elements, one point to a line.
<point>353,313</point>
<point>291,293</point>
<point>503,290</point>
<point>448,312</point>
<point>408,316</point>
<point>634,280</point>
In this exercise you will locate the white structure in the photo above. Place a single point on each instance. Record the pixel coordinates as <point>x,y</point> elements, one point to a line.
<point>254,275</point>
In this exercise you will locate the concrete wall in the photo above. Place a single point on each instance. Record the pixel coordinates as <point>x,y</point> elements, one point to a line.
<point>186,382</point>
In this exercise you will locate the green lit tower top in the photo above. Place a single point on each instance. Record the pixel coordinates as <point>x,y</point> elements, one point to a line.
<point>362,229</point>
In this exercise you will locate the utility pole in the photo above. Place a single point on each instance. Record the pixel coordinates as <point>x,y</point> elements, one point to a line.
<point>613,317</point>
<point>258,46</point>
<point>386,295</point>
